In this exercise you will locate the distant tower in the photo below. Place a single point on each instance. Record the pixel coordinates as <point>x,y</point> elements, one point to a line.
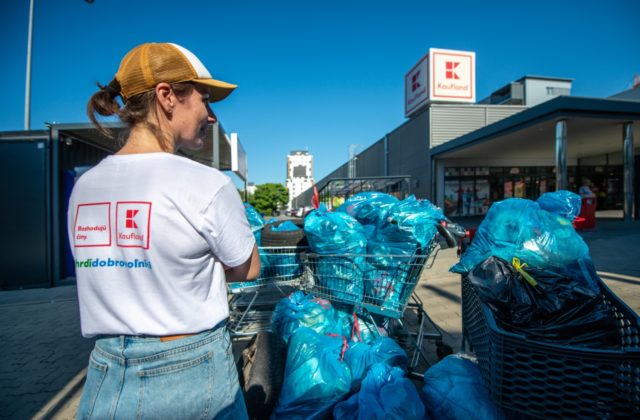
<point>299,176</point>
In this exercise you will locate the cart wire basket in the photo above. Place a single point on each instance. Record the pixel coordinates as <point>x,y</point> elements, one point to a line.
<point>547,380</point>
<point>251,303</point>
<point>381,284</point>
<point>279,266</point>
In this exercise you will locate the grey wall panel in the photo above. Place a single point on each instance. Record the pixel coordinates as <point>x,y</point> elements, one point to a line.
<point>452,121</point>
<point>23,256</point>
<point>497,113</point>
<point>371,161</point>
<point>408,148</point>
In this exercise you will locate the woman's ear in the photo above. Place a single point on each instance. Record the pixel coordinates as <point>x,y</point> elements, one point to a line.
<point>166,97</point>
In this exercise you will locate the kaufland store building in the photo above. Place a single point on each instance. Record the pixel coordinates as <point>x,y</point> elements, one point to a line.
<point>528,137</point>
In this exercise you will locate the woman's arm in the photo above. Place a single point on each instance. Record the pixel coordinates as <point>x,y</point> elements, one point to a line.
<point>249,270</point>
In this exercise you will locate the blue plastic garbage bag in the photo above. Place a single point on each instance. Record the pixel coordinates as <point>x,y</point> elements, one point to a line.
<point>299,310</point>
<point>520,228</point>
<point>343,322</point>
<point>387,278</point>
<point>385,394</point>
<point>368,208</point>
<point>334,233</point>
<point>361,356</point>
<point>256,222</point>
<point>338,238</point>
<point>411,220</point>
<point>355,328</point>
<point>341,277</point>
<point>315,377</point>
<point>286,226</point>
<point>454,389</point>
<point>564,203</point>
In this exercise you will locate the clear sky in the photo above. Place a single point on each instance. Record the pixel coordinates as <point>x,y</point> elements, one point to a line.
<point>312,74</point>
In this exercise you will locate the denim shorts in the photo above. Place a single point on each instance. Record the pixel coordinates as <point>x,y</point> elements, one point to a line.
<point>142,377</point>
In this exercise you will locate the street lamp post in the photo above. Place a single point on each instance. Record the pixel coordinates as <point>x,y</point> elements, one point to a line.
<point>27,90</point>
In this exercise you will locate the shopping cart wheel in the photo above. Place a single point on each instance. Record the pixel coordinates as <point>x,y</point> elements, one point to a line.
<point>263,373</point>
<point>443,350</point>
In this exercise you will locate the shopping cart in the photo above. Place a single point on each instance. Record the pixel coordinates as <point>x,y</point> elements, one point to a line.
<point>380,288</point>
<point>251,303</point>
<point>542,379</point>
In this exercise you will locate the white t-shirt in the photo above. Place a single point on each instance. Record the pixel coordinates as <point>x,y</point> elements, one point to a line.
<point>149,234</point>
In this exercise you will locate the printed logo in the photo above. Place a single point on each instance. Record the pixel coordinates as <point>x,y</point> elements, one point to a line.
<point>133,221</point>
<point>130,223</point>
<point>92,227</point>
<point>450,73</point>
<point>414,81</point>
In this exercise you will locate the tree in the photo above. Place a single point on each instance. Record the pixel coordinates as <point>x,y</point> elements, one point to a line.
<point>269,198</point>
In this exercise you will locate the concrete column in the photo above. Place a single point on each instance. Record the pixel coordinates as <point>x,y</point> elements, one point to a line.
<point>628,169</point>
<point>561,155</point>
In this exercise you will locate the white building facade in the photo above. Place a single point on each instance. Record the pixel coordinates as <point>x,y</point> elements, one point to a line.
<point>299,176</point>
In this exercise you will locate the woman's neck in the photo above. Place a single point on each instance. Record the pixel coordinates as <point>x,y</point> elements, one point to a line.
<point>141,140</point>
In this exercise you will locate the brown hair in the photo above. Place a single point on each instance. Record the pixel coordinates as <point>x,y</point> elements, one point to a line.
<point>134,111</point>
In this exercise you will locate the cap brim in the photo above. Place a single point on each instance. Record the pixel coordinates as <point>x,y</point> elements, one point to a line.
<point>217,88</point>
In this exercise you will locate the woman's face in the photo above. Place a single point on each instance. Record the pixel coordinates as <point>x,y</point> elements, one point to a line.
<point>191,116</point>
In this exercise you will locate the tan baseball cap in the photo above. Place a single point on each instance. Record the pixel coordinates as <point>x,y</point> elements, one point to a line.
<point>149,64</point>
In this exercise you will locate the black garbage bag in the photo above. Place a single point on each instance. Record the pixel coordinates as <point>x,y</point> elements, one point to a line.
<point>544,305</point>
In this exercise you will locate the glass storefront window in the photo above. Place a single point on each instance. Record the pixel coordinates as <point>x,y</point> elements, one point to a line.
<point>470,191</point>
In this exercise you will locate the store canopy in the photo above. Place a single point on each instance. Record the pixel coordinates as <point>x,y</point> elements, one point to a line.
<point>594,127</point>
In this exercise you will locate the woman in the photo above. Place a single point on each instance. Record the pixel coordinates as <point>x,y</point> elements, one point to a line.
<point>154,238</point>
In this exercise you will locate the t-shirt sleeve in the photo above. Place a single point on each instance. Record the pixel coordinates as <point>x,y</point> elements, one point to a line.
<point>226,227</point>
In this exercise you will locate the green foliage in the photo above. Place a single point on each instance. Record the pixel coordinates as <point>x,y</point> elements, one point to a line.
<point>269,197</point>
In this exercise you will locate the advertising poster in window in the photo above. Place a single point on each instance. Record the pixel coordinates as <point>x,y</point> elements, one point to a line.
<point>518,188</point>
<point>467,190</point>
<point>452,198</point>
<point>481,198</point>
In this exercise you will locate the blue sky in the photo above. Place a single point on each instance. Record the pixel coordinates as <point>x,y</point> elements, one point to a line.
<point>312,74</point>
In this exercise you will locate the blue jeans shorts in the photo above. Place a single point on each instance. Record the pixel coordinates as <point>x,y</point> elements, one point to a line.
<point>143,377</point>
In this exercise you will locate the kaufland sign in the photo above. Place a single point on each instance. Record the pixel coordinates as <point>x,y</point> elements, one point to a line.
<point>440,76</point>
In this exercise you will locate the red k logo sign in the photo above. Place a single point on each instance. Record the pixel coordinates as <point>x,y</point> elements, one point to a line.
<point>451,66</point>
<point>414,81</point>
<point>130,223</point>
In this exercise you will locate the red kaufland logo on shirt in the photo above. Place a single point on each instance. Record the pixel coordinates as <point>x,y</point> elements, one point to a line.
<point>133,225</point>
<point>130,223</point>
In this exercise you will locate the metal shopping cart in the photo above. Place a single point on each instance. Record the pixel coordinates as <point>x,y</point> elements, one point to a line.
<point>380,288</point>
<point>251,303</point>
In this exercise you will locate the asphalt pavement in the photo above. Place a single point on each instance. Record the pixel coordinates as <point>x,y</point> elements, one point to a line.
<point>44,357</point>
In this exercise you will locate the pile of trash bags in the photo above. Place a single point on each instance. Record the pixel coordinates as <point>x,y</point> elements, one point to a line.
<point>332,370</point>
<point>532,269</point>
<point>388,231</point>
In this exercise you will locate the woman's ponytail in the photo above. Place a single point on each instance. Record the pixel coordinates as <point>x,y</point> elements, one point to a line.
<point>104,102</point>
